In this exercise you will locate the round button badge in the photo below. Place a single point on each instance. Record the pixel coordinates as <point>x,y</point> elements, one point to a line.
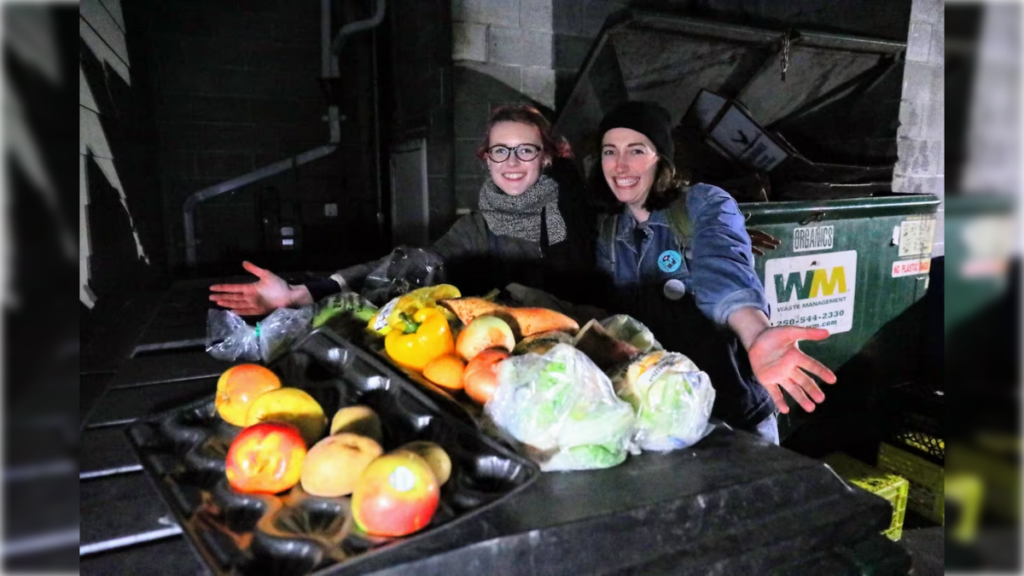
<point>674,289</point>
<point>669,261</point>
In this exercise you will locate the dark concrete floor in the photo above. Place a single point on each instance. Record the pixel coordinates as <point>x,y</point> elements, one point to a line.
<point>927,548</point>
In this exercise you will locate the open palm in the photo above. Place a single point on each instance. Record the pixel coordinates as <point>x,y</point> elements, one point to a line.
<point>267,294</point>
<point>779,365</point>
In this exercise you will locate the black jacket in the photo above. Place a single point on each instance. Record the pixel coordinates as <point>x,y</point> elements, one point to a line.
<point>478,260</point>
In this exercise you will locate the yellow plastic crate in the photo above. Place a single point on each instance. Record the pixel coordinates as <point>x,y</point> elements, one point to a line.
<point>996,467</point>
<point>927,481</point>
<point>967,492</point>
<point>888,486</point>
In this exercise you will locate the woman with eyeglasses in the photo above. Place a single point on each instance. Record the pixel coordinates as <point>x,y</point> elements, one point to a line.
<point>680,261</point>
<point>525,230</point>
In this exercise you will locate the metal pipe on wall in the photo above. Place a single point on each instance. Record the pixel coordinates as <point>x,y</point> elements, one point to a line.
<point>357,26</point>
<point>328,59</point>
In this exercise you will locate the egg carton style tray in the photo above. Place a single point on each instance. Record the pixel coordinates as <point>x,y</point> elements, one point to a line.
<point>184,451</point>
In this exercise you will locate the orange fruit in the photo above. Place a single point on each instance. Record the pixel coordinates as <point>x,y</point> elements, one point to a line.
<point>445,371</point>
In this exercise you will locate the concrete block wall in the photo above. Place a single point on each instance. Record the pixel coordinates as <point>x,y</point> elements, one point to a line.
<point>514,51</point>
<point>235,88</point>
<point>921,137</point>
<point>992,140</point>
<point>422,89</point>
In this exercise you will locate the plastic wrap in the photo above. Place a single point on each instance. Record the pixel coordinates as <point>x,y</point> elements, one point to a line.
<point>563,409</point>
<point>338,304</point>
<point>229,337</point>
<point>672,398</point>
<point>631,331</point>
<point>403,271</point>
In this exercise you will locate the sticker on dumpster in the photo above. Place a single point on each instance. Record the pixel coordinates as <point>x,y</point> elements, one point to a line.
<point>813,238</point>
<point>902,268</point>
<point>813,291</point>
<point>916,237</point>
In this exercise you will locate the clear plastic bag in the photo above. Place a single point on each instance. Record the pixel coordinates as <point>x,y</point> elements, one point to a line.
<point>631,331</point>
<point>229,337</point>
<point>672,398</point>
<point>403,271</point>
<point>563,409</point>
<point>336,305</point>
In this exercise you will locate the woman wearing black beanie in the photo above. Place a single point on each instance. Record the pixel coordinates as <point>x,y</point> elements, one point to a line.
<point>679,260</point>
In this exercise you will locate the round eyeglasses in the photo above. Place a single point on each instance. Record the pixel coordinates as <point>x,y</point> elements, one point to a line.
<point>525,152</point>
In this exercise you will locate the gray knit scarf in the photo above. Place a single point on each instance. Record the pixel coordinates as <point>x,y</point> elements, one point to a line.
<point>519,216</point>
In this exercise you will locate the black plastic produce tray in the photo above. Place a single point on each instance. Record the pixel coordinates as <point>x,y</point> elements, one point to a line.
<point>184,453</point>
<point>355,332</point>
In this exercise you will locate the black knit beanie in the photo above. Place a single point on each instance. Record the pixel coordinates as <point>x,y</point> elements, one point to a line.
<point>647,118</point>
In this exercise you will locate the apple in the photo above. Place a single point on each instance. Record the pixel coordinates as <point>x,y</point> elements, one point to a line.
<point>396,495</point>
<point>266,459</point>
<point>238,387</point>
<point>439,461</point>
<point>483,333</point>
<point>334,465</point>
<point>293,406</point>
<point>360,420</point>
<point>481,376</point>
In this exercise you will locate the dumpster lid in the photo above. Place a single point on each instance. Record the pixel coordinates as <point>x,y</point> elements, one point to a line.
<point>780,77</point>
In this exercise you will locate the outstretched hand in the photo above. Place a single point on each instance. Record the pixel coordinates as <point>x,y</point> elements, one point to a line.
<point>267,294</point>
<point>760,241</point>
<point>779,364</point>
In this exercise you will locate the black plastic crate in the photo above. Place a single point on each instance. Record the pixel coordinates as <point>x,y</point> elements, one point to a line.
<point>184,452</point>
<point>915,420</point>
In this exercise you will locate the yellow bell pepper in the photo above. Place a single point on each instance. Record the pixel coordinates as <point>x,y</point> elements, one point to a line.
<point>431,340</point>
<point>398,314</point>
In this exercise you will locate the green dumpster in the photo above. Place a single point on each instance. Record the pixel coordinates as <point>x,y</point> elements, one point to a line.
<point>979,241</point>
<point>850,266</point>
<point>854,267</point>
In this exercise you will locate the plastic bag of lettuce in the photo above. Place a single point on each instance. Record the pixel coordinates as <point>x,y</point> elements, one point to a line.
<point>631,331</point>
<point>563,409</point>
<point>672,398</point>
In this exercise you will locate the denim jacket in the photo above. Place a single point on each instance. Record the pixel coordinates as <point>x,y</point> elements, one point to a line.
<point>716,265</point>
<point>685,289</point>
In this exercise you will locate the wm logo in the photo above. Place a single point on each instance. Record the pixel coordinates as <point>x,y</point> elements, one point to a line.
<point>812,284</point>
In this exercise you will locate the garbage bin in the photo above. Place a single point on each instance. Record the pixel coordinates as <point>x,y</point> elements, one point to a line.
<point>854,267</point>
<point>980,237</point>
<point>850,266</point>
